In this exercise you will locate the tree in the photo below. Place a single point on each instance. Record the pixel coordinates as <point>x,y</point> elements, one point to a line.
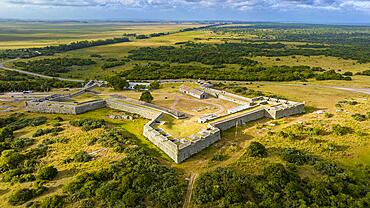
<point>5,133</point>
<point>146,97</point>
<point>47,173</point>
<point>117,82</point>
<point>155,85</point>
<point>10,159</point>
<point>257,149</point>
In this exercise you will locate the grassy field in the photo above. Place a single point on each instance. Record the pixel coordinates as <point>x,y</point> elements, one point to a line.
<point>37,34</point>
<point>324,62</point>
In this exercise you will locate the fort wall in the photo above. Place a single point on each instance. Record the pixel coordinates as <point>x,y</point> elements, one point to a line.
<point>188,149</point>
<point>166,145</point>
<point>63,108</point>
<point>184,149</point>
<point>228,96</point>
<point>285,111</point>
<point>131,108</point>
<point>239,119</point>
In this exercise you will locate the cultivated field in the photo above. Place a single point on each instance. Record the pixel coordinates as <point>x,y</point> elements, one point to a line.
<point>38,34</point>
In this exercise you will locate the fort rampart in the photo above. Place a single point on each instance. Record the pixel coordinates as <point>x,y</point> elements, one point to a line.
<point>63,107</point>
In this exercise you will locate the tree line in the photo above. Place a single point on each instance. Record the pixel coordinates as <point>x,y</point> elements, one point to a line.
<point>155,71</point>
<point>51,50</point>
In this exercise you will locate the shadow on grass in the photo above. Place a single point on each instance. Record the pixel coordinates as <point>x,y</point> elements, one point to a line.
<point>311,109</point>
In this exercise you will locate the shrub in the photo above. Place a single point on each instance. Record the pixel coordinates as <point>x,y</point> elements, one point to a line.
<point>359,117</point>
<point>88,124</point>
<point>146,97</point>
<point>340,130</point>
<point>38,121</point>
<point>20,143</point>
<point>219,157</point>
<point>348,74</point>
<point>21,196</point>
<point>155,85</point>
<point>41,132</point>
<point>10,159</point>
<point>328,168</point>
<point>80,156</point>
<point>5,133</point>
<point>47,173</point>
<point>295,156</point>
<point>328,115</point>
<point>54,201</point>
<point>116,139</point>
<point>256,149</point>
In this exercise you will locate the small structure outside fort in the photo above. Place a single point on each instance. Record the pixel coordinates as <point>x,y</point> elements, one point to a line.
<point>183,127</point>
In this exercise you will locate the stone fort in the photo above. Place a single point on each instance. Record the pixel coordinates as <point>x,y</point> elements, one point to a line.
<point>249,109</point>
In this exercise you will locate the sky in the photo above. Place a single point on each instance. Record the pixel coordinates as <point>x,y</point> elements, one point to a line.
<point>309,11</point>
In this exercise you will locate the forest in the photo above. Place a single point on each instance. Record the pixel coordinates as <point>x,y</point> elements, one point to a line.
<point>257,73</point>
<point>235,53</point>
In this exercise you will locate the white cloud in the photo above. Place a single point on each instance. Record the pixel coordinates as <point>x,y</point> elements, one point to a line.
<point>235,4</point>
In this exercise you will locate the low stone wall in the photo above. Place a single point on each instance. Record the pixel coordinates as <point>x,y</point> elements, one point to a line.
<point>239,119</point>
<point>63,108</point>
<point>136,109</point>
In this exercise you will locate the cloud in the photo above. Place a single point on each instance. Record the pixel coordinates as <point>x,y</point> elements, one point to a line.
<point>233,4</point>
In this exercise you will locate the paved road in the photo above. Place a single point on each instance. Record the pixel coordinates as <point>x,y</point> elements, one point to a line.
<point>36,74</point>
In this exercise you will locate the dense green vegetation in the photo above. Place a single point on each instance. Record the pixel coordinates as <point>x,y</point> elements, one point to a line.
<point>54,131</point>
<point>366,73</point>
<point>80,156</point>
<point>279,186</point>
<point>112,64</point>
<point>47,173</point>
<point>256,149</point>
<point>52,67</point>
<point>203,53</point>
<point>14,81</point>
<point>146,96</point>
<point>88,124</point>
<point>155,71</point>
<point>136,181</point>
<point>21,196</point>
<point>117,82</point>
<point>332,75</point>
<point>348,42</point>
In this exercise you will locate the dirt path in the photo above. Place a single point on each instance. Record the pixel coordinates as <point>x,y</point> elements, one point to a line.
<point>189,192</point>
